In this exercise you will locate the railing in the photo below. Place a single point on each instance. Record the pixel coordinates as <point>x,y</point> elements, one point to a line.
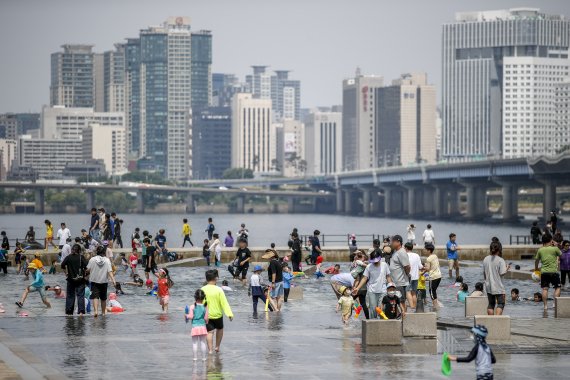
<point>343,239</point>
<point>520,239</point>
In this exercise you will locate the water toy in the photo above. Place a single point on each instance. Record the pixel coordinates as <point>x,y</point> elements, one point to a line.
<point>298,274</point>
<point>186,311</point>
<point>445,364</point>
<point>267,304</point>
<point>381,313</point>
<point>116,309</point>
<point>536,276</point>
<point>357,309</point>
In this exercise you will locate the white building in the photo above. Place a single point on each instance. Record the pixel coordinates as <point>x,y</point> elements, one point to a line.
<point>7,155</point>
<point>107,143</point>
<point>48,157</point>
<point>290,147</point>
<point>252,133</point>
<point>323,143</point>
<point>68,123</point>
<point>562,114</point>
<point>531,124</point>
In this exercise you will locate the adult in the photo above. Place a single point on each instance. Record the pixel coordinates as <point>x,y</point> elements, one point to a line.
<point>243,257</point>
<point>352,246</point>
<point>400,269</point>
<point>229,240</point>
<point>63,234</point>
<point>565,262</point>
<point>100,272</point>
<point>341,279</point>
<point>434,273</point>
<point>428,236</point>
<point>243,232</point>
<point>495,239</point>
<point>94,226</point>
<point>296,252</point>
<point>357,268</point>
<point>217,306</point>
<point>535,233</point>
<point>494,268</point>
<point>75,267</point>
<point>118,228</point>
<point>415,266</point>
<point>216,247</point>
<point>549,258</point>
<point>275,275</point>
<point>66,249</point>
<point>30,237</point>
<point>411,234</point>
<point>149,261</point>
<point>113,221</point>
<point>186,233</point>
<point>315,246</point>
<point>375,277</point>
<point>553,221</point>
<point>5,240</point>
<point>452,255</point>
<point>160,243</point>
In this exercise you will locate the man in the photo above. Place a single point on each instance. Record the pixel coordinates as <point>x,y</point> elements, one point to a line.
<point>103,224</point>
<point>275,274</point>
<point>315,246</point>
<point>428,236</point>
<point>149,262</point>
<point>94,225</point>
<point>415,266</point>
<point>100,271</point>
<point>296,251</point>
<point>375,277</point>
<point>553,221</point>
<point>243,257</point>
<point>452,255</point>
<point>75,267</point>
<point>113,221</point>
<point>400,269</point>
<point>494,268</point>
<point>217,306</point>
<point>341,279</point>
<point>243,233</point>
<point>63,234</point>
<point>536,233</point>
<point>549,257</point>
<point>66,249</point>
<point>160,243</point>
<point>210,229</point>
<point>186,232</point>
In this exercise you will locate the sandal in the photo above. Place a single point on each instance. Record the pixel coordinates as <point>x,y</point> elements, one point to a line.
<point>20,305</point>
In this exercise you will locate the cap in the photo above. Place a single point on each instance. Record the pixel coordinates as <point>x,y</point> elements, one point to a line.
<point>342,289</point>
<point>148,282</point>
<point>32,266</point>
<point>257,268</point>
<point>374,258</point>
<point>353,236</point>
<point>390,285</point>
<point>397,238</point>
<point>57,287</point>
<point>268,254</point>
<point>112,296</point>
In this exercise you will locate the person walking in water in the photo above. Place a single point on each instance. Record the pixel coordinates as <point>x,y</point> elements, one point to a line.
<point>549,258</point>
<point>217,306</point>
<point>49,235</point>
<point>494,268</point>
<point>452,255</point>
<point>186,232</point>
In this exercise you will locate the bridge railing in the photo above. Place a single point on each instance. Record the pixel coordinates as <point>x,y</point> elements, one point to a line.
<point>520,239</point>
<point>344,239</point>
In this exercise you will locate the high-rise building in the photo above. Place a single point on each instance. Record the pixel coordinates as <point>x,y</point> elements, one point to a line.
<point>290,150</point>
<point>69,123</point>
<point>323,142</point>
<point>136,141</point>
<point>72,77</point>
<point>259,83</point>
<point>405,121</point>
<point>47,158</point>
<point>562,116</point>
<point>114,79</point>
<point>201,69</point>
<point>476,49</point>
<point>224,87</point>
<point>358,117</point>
<point>7,156</point>
<point>106,143</point>
<point>99,82</point>
<point>252,133</point>
<point>285,96</point>
<point>212,142</point>
<point>8,126</point>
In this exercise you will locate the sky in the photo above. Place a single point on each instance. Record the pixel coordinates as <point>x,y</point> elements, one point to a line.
<point>321,41</point>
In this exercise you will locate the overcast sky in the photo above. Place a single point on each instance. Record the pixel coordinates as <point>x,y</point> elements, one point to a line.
<point>321,41</point>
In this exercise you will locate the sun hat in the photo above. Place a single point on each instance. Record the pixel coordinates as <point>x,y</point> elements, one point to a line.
<point>342,289</point>
<point>480,330</point>
<point>269,253</point>
<point>390,285</point>
<point>257,268</point>
<point>148,282</point>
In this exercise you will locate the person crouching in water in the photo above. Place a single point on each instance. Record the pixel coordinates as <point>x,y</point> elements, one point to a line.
<point>482,353</point>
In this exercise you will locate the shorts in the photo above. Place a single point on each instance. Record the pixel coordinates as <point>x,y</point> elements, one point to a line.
<point>18,259</point>
<point>164,300</point>
<point>98,291</point>
<point>496,299</point>
<point>243,271</point>
<point>42,291</point>
<point>152,268</point>
<point>402,290</point>
<point>546,279</point>
<point>413,286</point>
<point>453,263</point>
<point>215,324</point>
<point>278,290</point>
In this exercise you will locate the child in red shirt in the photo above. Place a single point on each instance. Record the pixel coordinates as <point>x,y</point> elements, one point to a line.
<point>134,260</point>
<point>319,263</point>
<point>164,284</point>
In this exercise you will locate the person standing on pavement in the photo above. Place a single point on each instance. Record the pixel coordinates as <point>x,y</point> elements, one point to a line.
<point>63,234</point>
<point>535,233</point>
<point>549,258</point>
<point>100,272</point>
<point>428,236</point>
<point>94,225</point>
<point>210,228</point>
<point>296,252</point>
<point>75,267</point>
<point>186,233</point>
<point>452,255</point>
<point>66,249</point>
<point>217,306</point>
<point>275,275</point>
<point>434,274</point>
<point>400,269</point>
<point>565,262</point>
<point>494,268</point>
<point>415,267</point>
<point>375,277</point>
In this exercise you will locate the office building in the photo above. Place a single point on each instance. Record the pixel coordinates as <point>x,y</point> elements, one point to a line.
<point>7,156</point>
<point>47,158</point>
<point>358,117</point>
<point>114,79</point>
<point>106,143</point>
<point>285,96</point>
<point>69,123</point>
<point>323,143</point>
<point>475,51</point>
<point>252,133</point>
<point>201,69</point>
<point>405,123</point>
<point>72,77</point>
<point>290,150</point>
<point>224,87</point>
<point>8,126</point>
<point>259,83</point>
<point>136,139</point>
<point>562,116</point>
<point>212,142</point>
<point>99,82</point>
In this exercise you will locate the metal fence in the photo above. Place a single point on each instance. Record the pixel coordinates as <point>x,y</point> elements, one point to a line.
<point>343,239</point>
<point>520,239</point>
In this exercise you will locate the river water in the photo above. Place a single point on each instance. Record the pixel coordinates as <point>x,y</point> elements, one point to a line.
<point>267,228</point>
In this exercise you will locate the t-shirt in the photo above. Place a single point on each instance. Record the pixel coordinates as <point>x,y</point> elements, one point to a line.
<point>275,268</point>
<point>75,265</point>
<point>38,263</point>
<point>398,261</point>
<point>63,234</point>
<point>429,236</point>
<point>461,295</point>
<point>94,220</point>
<point>217,302</point>
<point>150,250</point>
<point>415,265</point>
<point>548,256</point>
<point>99,268</point>
<point>346,304</point>
<point>134,260</point>
<point>3,254</point>
<point>390,306</point>
<point>451,250</point>
<point>345,279</point>
<point>65,251</point>
<point>319,260</point>
<point>314,244</point>
<point>434,271</point>
<point>493,267</point>
<point>160,240</point>
<point>422,282</point>
<point>114,303</point>
<point>376,275</point>
<point>49,231</point>
<point>287,277</point>
<point>185,229</point>
<point>243,254</point>
<point>163,287</point>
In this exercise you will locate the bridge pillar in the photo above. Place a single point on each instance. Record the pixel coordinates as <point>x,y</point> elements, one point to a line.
<point>140,202</point>
<point>89,199</point>
<point>427,201</point>
<point>348,202</point>
<point>476,201</point>
<point>339,201</point>
<point>190,206</point>
<point>453,202</point>
<point>549,198</point>
<point>366,202</point>
<point>510,202</point>
<point>412,210</point>
<point>240,205</point>
<point>439,201</point>
<point>376,205</point>
<point>388,201</point>
<point>291,205</point>
<point>40,201</point>
<point>394,201</point>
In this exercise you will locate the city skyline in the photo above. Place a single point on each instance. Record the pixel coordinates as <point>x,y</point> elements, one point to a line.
<point>243,36</point>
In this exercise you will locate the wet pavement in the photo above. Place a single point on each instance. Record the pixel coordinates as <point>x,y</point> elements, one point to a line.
<point>306,340</point>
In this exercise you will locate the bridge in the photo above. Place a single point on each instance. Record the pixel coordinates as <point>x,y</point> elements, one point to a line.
<point>430,191</point>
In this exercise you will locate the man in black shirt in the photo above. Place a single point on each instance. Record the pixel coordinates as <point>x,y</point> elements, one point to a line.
<point>243,257</point>
<point>536,233</point>
<point>275,274</point>
<point>150,263</point>
<point>75,266</point>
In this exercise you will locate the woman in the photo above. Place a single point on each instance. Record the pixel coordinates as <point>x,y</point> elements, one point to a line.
<point>229,241</point>
<point>357,271</point>
<point>49,235</point>
<point>216,247</point>
<point>296,252</point>
<point>565,262</point>
<point>432,267</point>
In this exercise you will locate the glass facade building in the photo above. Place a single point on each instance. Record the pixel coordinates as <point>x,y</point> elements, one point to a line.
<point>72,77</point>
<point>212,142</point>
<point>201,69</point>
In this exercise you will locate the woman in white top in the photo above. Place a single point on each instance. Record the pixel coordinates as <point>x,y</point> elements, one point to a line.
<point>216,246</point>
<point>428,236</point>
<point>432,266</point>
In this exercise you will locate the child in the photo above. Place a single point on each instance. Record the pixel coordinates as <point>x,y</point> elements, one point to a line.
<point>255,289</point>
<point>226,286</point>
<point>124,262</point>
<point>481,352</point>
<point>421,292</point>
<point>58,292</point>
<point>87,299</point>
<point>164,284</point>
<point>333,269</point>
<point>137,281</point>
<point>4,258</point>
<point>134,260</point>
<point>18,253</point>
<point>206,251</point>
<point>458,282</point>
<point>478,290</point>
<point>38,263</point>
<point>52,268</point>
<point>37,285</point>
<point>515,295</point>
<point>345,304</point>
<point>113,305</point>
<point>216,247</point>
<point>319,263</point>
<point>24,268</point>
<point>287,277</point>
<point>198,314</point>
<point>463,292</point>
<point>391,303</point>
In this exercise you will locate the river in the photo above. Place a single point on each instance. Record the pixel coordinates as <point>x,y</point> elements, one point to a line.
<point>267,228</point>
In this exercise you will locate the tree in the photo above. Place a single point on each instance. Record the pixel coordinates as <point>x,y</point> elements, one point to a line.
<point>302,166</point>
<point>275,165</point>
<point>237,173</point>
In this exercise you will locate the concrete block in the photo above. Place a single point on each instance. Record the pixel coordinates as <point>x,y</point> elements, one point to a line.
<point>499,327</point>
<point>420,324</point>
<point>192,262</point>
<point>476,306</point>
<point>377,332</point>
<point>310,270</point>
<point>562,307</point>
<point>295,293</point>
